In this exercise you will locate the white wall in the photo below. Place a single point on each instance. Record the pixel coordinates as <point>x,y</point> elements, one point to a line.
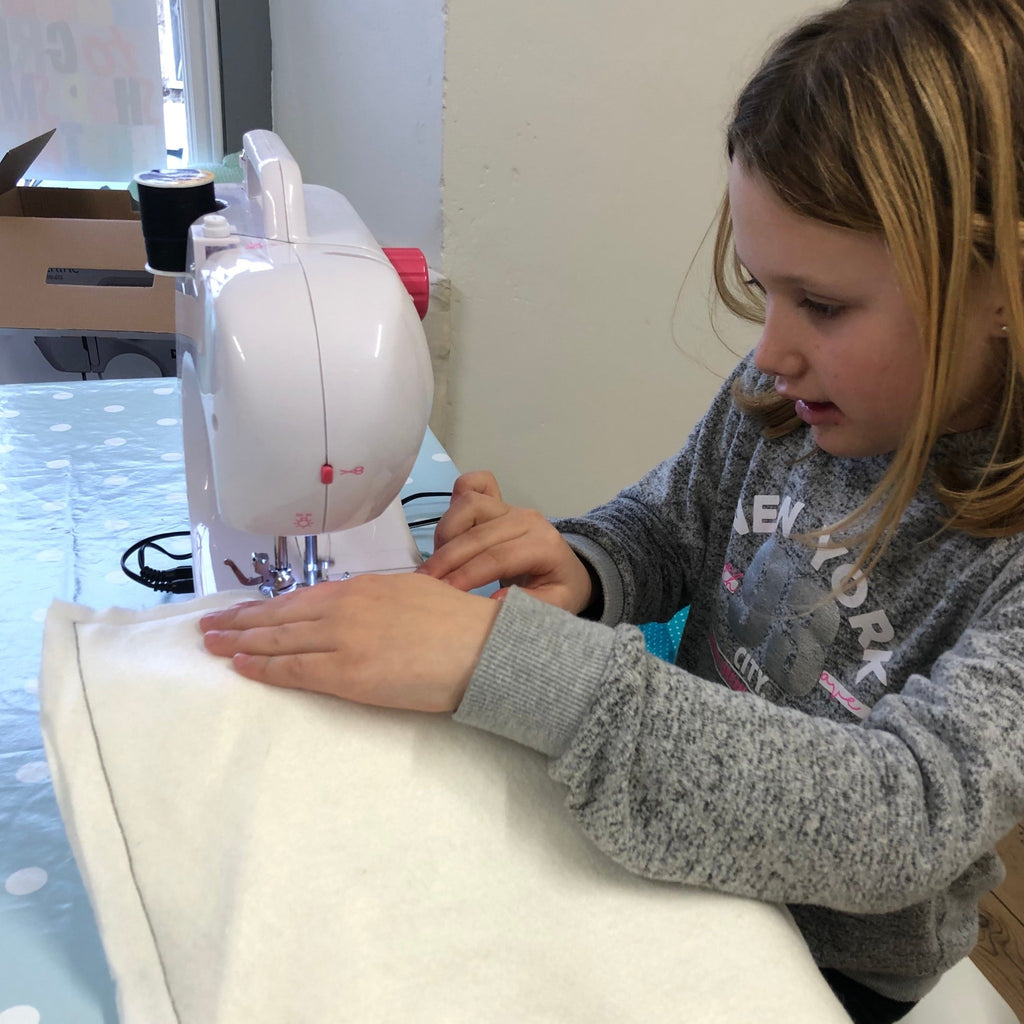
<point>357,98</point>
<point>582,165</point>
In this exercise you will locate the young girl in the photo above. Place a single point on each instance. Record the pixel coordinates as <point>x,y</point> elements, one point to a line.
<point>842,732</point>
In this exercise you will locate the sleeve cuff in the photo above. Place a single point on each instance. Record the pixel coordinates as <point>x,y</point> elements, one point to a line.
<point>538,675</point>
<point>601,565</point>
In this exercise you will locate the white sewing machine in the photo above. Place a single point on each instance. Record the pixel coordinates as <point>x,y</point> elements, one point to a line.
<point>306,385</point>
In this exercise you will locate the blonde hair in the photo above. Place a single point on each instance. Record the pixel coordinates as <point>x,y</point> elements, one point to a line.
<point>905,119</point>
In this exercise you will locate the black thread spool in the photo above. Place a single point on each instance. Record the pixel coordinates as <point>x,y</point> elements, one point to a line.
<point>169,202</point>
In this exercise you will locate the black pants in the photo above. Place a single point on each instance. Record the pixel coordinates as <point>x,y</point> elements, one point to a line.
<point>863,1004</point>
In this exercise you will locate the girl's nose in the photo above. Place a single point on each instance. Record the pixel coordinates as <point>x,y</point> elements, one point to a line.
<point>778,351</point>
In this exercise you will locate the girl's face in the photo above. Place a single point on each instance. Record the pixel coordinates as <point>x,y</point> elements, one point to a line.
<point>839,337</point>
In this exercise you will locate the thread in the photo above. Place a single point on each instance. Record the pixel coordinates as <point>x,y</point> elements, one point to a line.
<point>169,202</point>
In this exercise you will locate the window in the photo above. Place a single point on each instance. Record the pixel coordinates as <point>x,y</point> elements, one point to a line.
<point>190,63</point>
<point>122,83</point>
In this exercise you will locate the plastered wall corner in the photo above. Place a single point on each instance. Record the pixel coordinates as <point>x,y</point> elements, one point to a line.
<point>437,326</point>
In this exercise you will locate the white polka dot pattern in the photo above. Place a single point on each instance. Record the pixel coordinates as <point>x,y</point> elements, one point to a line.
<point>81,478</point>
<point>33,772</point>
<point>26,881</point>
<point>20,1015</point>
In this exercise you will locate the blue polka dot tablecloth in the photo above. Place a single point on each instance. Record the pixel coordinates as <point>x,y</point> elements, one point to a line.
<point>86,470</point>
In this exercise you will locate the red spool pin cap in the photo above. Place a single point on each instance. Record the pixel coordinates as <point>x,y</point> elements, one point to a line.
<point>411,265</point>
<point>327,473</point>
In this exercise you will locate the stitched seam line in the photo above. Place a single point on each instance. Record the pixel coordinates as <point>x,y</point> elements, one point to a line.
<point>120,826</point>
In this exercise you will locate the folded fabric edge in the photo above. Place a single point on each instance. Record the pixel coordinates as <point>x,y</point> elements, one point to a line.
<point>89,813</point>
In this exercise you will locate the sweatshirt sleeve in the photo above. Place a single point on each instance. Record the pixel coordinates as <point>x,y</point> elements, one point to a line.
<point>646,545</point>
<point>678,778</point>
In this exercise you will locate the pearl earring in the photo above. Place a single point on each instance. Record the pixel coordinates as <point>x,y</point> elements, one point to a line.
<point>1004,329</point>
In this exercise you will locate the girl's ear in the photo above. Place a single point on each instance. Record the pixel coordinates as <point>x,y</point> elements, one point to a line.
<point>997,324</point>
<point>990,305</point>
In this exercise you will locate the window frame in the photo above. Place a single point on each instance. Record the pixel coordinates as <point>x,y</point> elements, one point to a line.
<point>200,54</point>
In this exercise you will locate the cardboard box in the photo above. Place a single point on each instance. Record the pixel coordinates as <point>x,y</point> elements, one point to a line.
<point>73,259</point>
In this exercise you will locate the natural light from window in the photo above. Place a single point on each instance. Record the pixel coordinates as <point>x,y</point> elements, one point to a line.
<point>118,87</point>
<point>172,70</point>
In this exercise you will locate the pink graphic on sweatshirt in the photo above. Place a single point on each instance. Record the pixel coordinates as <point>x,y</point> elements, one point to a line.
<point>731,577</point>
<point>729,675</point>
<point>839,693</point>
<point>734,681</point>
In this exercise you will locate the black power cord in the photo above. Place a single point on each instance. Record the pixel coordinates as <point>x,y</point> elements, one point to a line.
<point>425,494</point>
<point>166,581</point>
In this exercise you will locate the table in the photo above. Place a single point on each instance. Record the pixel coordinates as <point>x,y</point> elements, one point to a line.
<point>86,469</point>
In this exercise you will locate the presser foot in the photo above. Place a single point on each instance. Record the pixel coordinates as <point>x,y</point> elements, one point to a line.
<point>271,580</point>
<point>274,580</point>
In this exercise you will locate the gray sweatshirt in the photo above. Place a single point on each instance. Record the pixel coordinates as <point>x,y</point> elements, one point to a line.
<point>855,757</point>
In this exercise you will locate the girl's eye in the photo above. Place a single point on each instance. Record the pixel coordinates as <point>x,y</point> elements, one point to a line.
<point>821,310</point>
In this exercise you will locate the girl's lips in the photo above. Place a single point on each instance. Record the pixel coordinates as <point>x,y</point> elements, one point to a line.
<point>817,414</point>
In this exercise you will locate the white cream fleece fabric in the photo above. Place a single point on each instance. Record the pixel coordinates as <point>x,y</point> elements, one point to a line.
<point>256,856</point>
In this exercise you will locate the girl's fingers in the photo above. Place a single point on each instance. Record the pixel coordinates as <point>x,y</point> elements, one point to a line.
<point>478,482</point>
<point>476,498</point>
<point>318,673</point>
<point>272,639</point>
<point>395,641</point>
<point>468,544</point>
<point>222,617</point>
<point>485,567</point>
<point>299,606</point>
<point>474,562</point>
<point>300,671</point>
<point>464,514</point>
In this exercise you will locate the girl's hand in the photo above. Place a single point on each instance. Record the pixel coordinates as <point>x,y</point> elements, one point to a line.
<point>402,641</point>
<point>481,540</point>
